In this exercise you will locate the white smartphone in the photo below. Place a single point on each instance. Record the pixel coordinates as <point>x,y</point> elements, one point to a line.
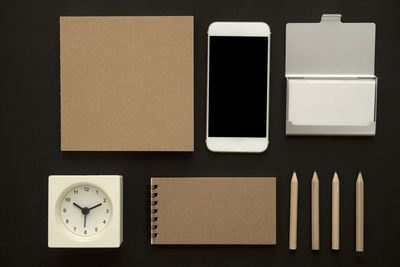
<point>238,87</point>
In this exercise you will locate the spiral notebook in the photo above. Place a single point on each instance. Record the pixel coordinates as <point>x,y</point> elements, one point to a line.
<point>213,210</point>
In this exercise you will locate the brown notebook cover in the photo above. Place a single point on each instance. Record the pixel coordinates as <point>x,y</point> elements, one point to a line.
<point>126,83</point>
<point>213,211</point>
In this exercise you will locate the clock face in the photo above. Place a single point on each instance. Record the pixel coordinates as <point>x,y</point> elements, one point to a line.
<point>85,210</point>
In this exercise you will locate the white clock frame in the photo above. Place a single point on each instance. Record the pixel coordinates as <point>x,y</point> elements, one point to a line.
<point>60,237</point>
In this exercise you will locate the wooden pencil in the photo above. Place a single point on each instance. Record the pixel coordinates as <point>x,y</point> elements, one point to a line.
<point>293,212</point>
<point>359,213</point>
<point>315,212</point>
<point>335,212</point>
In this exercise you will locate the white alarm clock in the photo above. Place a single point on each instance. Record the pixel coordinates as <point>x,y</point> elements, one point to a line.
<point>85,211</point>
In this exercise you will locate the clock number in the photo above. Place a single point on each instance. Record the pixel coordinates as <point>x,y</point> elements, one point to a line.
<point>74,228</point>
<point>107,211</point>
<point>75,191</point>
<point>85,232</point>
<point>104,221</point>
<point>64,210</point>
<point>104,200</point>
<point>66,221</point>
<point>86,189</point>
<point>67,199</point>
<point>95,229</point>
<point>97,191</point>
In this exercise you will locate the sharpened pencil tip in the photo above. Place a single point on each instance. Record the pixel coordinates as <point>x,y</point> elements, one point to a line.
<point>294,176</point>
<point>359,178</point>
<point>335,177</point>
<point>315,176</point>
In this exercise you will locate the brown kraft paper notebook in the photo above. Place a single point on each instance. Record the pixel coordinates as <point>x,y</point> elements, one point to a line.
<point>213,210</point>
<point>126,83</point>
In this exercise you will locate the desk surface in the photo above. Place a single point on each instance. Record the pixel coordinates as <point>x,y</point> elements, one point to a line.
<point>30,132</point>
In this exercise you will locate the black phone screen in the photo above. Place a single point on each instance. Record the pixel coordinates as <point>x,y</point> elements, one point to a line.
<point>238,81</point>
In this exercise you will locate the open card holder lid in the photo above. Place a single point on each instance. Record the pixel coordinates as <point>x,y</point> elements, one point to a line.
<point>331,86</point>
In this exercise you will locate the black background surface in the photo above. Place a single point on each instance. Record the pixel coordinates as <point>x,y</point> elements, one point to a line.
<point>30,143</point>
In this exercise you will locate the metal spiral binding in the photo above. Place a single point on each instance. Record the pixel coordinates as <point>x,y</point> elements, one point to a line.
<point>153,211</point>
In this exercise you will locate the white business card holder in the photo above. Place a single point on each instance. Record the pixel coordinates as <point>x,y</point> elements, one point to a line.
<point>331,86</point>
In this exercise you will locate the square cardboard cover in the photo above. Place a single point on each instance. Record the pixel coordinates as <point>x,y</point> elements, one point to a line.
<point>126,83</point>
<point>331,86</point>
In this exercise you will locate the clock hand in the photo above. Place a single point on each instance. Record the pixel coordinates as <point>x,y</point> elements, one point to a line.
<point>85,211</point>
<point>95,206</point>
<point>77,205</point>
